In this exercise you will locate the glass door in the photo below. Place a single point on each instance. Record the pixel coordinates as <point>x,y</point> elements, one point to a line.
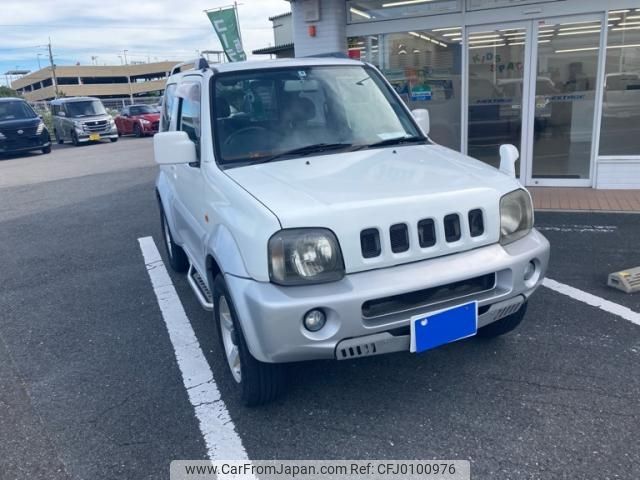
<point>497,83</point>
<point>562,107</point>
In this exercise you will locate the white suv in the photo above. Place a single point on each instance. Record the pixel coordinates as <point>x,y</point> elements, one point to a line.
<point>317,220</point>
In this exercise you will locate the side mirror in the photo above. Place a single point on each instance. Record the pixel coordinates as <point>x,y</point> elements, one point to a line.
<point>62,114</point>
<point>173,148</point>
<point>508,157</point>
<point>422,117</point>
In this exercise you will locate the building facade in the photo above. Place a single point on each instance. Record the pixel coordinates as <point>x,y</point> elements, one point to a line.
<point>114,81</point>
<point>560,79</point>
<point>282,38</point>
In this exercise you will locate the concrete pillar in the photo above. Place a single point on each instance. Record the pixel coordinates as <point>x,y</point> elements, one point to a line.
<point>330,28</point>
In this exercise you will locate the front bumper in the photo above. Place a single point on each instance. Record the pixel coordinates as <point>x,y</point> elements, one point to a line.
<point>26,144</point>
<point>271,315</point>
<point>84,137</point>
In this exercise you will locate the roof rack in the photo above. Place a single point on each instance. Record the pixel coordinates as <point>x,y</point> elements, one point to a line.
<point>199,63</point>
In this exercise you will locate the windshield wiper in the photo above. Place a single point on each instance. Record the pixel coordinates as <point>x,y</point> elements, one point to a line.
<point>395,141</point>
<point>306,150</point>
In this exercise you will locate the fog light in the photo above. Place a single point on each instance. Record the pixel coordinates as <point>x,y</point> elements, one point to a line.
<point>529,271</point>
<point>314,320</point>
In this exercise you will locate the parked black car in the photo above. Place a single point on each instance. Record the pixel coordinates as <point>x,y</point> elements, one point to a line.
<point>21,128</point>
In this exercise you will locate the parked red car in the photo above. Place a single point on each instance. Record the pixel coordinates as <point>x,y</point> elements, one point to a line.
<point>138,120</point>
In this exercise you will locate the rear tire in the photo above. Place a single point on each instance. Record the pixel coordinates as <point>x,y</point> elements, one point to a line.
<point>504,325</point>
<point>177,258</point>
<point>59,140</point>
<point>258,382</point>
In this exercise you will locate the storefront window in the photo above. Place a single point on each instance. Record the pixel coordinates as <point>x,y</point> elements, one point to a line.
<point>620,131</point>
<point>425,69</point>
<point>365,48</point>
<point>374,10</point>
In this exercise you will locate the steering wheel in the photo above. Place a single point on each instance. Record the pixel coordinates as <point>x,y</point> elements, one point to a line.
<point>245,130</point>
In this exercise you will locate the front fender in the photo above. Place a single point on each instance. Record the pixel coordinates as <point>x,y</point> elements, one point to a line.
<point>221,245</point>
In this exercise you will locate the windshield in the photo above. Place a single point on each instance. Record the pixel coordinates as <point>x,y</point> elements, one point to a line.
<point>261,115</point>
<point>84,108</point>
<point>142,110</point>
<point>15,111</point>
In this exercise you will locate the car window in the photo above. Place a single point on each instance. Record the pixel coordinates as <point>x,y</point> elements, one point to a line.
<point>85,108</point>
<point>167,106</point>
<point>259,114</point>
<point>141,110</point>
<point>15,110</point>
<point>189,119</point>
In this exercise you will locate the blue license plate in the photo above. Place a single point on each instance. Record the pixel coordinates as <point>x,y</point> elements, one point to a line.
<point>444,326</point>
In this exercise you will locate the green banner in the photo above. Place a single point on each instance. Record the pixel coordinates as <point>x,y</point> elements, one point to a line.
<point>225,23</point>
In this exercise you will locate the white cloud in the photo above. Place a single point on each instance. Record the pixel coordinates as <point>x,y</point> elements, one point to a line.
<point>148,29</point>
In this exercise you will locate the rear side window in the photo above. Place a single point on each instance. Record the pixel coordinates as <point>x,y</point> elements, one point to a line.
<point>167,106</point>
<point>190,110</point>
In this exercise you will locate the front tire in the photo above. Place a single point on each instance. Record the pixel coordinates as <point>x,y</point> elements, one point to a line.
<point>258,382</point>
<point>74,139</point>
<point>113,140</point>
<point>504,325</point>
<point>177,258</point>
<point>137,131</point>
<point>46,149</point>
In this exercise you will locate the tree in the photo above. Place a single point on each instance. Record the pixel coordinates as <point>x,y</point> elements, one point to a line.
<point>8,92</point>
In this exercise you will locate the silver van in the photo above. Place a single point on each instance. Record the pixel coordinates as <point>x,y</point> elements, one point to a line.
<point>81,120</point>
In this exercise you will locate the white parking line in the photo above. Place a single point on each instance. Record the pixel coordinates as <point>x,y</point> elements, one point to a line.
<point>220,436</point>
<point>593,300</point>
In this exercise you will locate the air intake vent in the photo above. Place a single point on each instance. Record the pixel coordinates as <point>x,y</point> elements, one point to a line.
<point>399,235</point>
<point>476,223</point>
<point>370,242</point>
<point>427,233</point>
<point>452,228</point>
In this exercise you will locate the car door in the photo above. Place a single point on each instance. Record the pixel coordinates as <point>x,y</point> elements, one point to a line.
<point>189,182</point>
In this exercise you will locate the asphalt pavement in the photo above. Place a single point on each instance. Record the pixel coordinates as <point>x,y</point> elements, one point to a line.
<point>90,387</point>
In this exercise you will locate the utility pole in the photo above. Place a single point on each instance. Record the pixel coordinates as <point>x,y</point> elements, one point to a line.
<point>126,64</point>
<point>53,69</point>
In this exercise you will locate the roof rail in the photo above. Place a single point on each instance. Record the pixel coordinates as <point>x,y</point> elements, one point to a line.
<point>199,63</point>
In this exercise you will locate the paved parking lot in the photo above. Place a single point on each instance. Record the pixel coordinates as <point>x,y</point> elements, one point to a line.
<point>90,387</point>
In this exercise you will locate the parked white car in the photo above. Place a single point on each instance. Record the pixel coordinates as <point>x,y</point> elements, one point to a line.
<point>317,220</point>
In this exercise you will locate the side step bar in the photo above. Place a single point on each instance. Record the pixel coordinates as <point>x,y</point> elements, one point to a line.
<point>199,287</point>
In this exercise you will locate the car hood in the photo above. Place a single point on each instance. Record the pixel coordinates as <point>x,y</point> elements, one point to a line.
<point>377,188</point>
<point>19,123</point>
<point>152,117</point>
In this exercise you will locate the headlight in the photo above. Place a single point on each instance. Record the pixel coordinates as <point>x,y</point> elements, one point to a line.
<point>145,122</point>
<point>516,216</point>
<point>112,121</point>
<point>78,125</point>
<point>2,137</point>
<point>40,128</point>
<point>304,256</point>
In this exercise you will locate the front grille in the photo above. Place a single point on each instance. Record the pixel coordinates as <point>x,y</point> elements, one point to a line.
<point>452,228</point>
<point>96,126</point>
<point>370,243</point>
<point>401,241</point>
<point>12,134</point>
<point>399,235</point>
<point>476,223</point>
<point>429,296</point>
<point>427,233</point>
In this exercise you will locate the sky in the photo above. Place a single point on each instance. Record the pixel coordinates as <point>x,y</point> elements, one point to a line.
<point>151,30</point>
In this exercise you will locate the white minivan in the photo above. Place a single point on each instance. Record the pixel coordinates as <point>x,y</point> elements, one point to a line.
<point>317,220</point>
